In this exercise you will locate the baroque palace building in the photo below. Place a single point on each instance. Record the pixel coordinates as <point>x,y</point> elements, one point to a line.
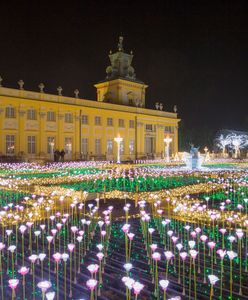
<point>34,124</point>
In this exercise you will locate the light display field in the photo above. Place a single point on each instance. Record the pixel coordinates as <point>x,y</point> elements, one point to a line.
<point>103,231</point>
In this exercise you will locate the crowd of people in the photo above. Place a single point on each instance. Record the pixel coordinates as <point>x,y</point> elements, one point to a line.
<point>59,155</point>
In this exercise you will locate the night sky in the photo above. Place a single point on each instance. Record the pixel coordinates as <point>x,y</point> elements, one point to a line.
<point>190,53</point>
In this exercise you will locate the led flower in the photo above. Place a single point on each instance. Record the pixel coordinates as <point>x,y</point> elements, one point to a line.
<point>168,255</point>
<point>23,271</point>
<point>213,279</point>
<point>156,256</point>
<point>137,287</point>
<point>164,284</point>
<point>221,253</point>
<point>50,295</point>
<point>93,268</point>
<point>231,254</point>
<point>91,284</point>
<point>13,283</point>
<point>128,267</point>
<point>44,285</point>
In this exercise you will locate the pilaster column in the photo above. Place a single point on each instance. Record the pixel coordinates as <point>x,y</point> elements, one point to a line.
<point>22,143</point>
<point>2,143</point>
<point>76,137</point>
<point>175,139</point>
<point>140,138</point>
<point>60,143</point>
<point>42,124</point>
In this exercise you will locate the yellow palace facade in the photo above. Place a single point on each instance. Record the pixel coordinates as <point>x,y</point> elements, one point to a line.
<point>35,124</point>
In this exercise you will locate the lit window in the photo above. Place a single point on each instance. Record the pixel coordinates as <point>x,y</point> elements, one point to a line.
<point>68,118</point>
<point>84,119</point>
<point>98,146</point>
<point>109,146</point>
<point>68,145</point>
<point>149,127</point>
<point>97,120</point>
<point>122,147</point>
<point>131,147</point>
<point>50,144</point>
<point>10,144</point>
<point>31,114</point>
<point>109,121</point>
<point>10,112</point>
<point>168,129</point>
<point>131,123</point>
<point>31,145</point>
<point>51,116</point>
<point>121,123</point>
<point>84,146</point>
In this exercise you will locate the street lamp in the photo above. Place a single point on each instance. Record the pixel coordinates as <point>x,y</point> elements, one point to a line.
<point>118,140</point>
<point>167,141</point>
<point>51,144</point>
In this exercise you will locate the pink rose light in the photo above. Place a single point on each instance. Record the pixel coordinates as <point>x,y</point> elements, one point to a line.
<point>131,236</point>
<point>29,224</point>
<point>231,238</point>
<point>100,256</point>
<point>153,247</point>
<point>42,226</point>
<point>164,284</point>
<point>50,295</point>
<point>74,229</point>
<point>22,229</point>
<point>12,248</point>
<point>156,256</point>
<point>44,285</point>
<point>211,245</point>
<point>137,287</point>
<point>65,257</point>
<point>239,233</point>
<point>54,231</point>
<point>103,233</point>
<point>231,254</point>
<point>79,239</point>
<point>49,238</point>
<point>59,226</point>
<point>183,255</point>
<point>125,228</point>
<point>99,247</point>
<point>222,231</point>
<point>23,271</point>
<point>179,246</point>
<point>41,256</point>
<point>91,284</point>
<point>213,279</point>
<point>168,255</point>
<point>221,253</point>
<point>2,246</point>
<point>193,234</point>
<point>57,257</point>
<point>191,244</point>
<point>13,283</point>
<point>93,268</point>
<point>128,267</point>
<point>174,239</point>
<point>193,253</point>
<point>33,258</point>
<point>71,247</point>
